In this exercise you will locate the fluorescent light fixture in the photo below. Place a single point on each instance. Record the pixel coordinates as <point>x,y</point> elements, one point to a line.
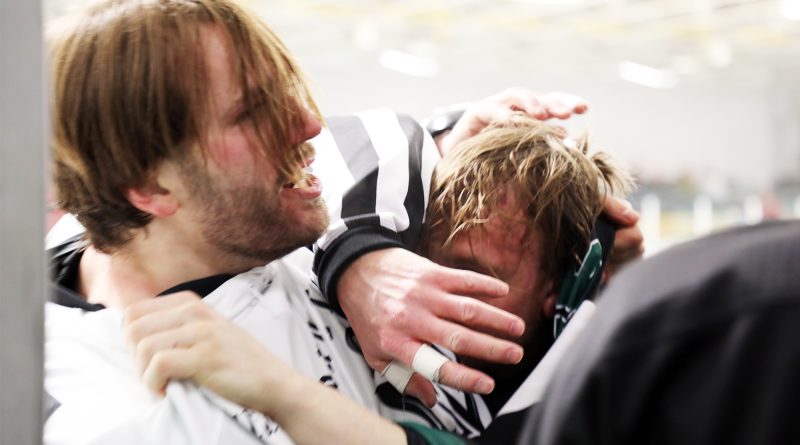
<point>410,64</point>
<point>790,9</point>
<point>647,76</point>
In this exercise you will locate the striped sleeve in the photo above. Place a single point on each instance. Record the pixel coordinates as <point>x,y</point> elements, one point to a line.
<point>375,168</point>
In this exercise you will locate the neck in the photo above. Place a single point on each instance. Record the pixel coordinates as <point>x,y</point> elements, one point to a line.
<point>148,265</point>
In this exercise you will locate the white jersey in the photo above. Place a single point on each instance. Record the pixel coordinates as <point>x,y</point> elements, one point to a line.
<point>91,375</point>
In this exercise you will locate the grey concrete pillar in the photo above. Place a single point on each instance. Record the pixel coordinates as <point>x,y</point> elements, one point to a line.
<point>22,276</point>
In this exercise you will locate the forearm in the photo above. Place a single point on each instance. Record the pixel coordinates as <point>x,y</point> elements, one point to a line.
<point>376,167</point>
<point>312,413</point>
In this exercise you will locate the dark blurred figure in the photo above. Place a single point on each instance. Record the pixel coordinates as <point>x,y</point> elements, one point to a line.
<point>697,345</point>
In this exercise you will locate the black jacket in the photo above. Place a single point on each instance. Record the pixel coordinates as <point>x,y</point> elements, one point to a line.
<point>697,345</point>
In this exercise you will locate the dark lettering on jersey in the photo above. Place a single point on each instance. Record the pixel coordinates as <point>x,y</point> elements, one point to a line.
<point>320,303</point>
<point>327,380</point>
<point>259,425</point>
<point>327,359</point>
<point>265,284</point>
<point>324,353</point>
<point>315,331</point>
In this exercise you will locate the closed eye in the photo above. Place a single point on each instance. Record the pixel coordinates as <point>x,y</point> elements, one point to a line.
<point>472,265</point>
<point>248,113</point>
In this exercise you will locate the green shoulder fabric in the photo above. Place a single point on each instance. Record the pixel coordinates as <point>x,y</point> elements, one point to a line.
<point>429,436</point>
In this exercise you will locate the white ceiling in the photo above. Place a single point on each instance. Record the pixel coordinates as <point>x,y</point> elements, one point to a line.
<point>683,38</point>
<point>704,89</point>
<point>687,41</point>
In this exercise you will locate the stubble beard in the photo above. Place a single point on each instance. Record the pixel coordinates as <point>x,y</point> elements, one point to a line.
<point>250,224</point>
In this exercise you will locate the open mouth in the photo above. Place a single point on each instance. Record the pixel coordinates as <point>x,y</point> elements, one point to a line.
<point>305,182</point>
<point>304,178</point>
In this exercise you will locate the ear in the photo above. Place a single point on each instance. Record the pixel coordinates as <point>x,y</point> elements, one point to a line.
<point>549,304</point>
<point>153,199</point>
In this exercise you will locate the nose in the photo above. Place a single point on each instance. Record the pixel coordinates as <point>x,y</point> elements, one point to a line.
<point>311,126</point>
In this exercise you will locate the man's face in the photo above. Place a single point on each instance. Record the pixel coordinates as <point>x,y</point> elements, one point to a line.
<point>242,206</point>
<point>503,247</point>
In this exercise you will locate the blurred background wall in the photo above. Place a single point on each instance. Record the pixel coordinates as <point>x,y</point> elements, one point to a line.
<point>700,98</point>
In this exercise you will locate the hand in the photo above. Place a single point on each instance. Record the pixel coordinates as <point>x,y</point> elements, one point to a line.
<point>500,106</point>
<point>396,300</point>
<point>179,337</point>
<point>629,241</point>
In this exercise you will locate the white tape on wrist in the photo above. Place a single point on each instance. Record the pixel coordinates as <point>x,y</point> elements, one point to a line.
<point>427,363</point>
<point>398,375</point>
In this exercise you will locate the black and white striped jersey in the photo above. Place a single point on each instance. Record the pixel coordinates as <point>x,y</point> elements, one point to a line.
<point>376,169</point>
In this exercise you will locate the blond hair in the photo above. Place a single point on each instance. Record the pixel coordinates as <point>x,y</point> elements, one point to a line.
<point>561,189</point>
<point>131,91</point>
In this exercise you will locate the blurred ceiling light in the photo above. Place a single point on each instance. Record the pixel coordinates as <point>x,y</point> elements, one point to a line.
<point>647,76</point>
<point>366,36</point>
<point>719,53</point>
<point>790,9</point>
<point>410,64</point>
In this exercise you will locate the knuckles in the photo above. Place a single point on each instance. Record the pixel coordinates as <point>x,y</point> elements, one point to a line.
<point>135,331</point>
<point>389,343</point>
<point>196,309</point>
<point>469,313</point>
<point>132,313</point>
<point>145,349</point>
<point>456,341</point>
<point>161,365</point>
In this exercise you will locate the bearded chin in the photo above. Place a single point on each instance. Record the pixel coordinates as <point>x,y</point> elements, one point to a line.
<point>260,230</point>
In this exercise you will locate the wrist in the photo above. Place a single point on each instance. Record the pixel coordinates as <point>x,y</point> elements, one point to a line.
<point>344,251</point>
<point>351,278</point>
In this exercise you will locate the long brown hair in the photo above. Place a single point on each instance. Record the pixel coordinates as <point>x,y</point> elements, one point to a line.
<point>130,90</point>
<point>561,188</point>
